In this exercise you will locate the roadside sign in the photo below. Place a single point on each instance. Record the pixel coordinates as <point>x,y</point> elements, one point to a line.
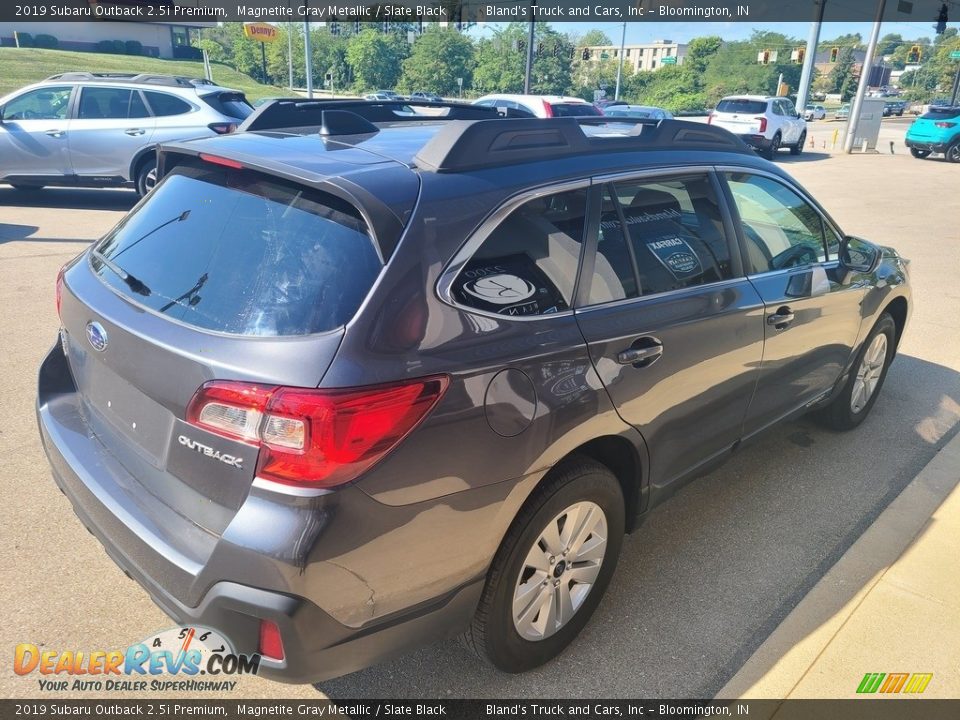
<point>261,32</point>
<point>955,55</point>
<point>460,81</point>
<point>669,60</point>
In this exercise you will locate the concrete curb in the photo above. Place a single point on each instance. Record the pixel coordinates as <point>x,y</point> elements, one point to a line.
<point>791,661</point>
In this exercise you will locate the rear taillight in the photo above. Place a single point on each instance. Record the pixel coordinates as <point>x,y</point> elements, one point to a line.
<point>315,438</point>
<point>547,109</point>
<point>217,160</point>
<point>271,644</point>
<point>945,125</point>
<point>60,290</point>
<point>710,119</point>
<point>763,124</point>
<point>222,128</point>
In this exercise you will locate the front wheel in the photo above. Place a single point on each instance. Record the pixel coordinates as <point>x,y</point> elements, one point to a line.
<point>953,152</point>
<point>551,570</point>
<point>860,392</point>
<point>801,141</point>
<point>919,154</point>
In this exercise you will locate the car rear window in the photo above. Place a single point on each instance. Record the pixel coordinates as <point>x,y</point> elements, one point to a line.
<point>240,253</point>
<point>233,105</point>
<point>573,109</point>
<point>941,114</point>
<point>742,105</point>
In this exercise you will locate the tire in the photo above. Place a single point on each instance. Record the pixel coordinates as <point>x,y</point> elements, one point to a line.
<point>848,409</point>
<point>919,154</point>
<point>953,153</point>
<point>798,148</point>
<point>581,485</point>
<point>146,175</point>
<point>774,148</point>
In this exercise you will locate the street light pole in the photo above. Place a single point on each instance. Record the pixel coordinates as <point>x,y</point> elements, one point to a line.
<point>809,58</point>
<point>290,54</point>
<point>623,41</point>
<point>857,105</point>
<point>530,40</point>
<point>307,59</point>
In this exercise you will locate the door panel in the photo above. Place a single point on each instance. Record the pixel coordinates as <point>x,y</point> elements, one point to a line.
<point>675,337</point>
<point>812,317</point>
<point>111,125</point>
<point>34,133</point>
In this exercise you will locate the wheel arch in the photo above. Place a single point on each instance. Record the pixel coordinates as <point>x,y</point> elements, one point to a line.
<point>142,154</point>
<point>898,309</point>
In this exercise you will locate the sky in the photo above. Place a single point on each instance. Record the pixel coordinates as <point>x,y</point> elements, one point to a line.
<point>684,32</point>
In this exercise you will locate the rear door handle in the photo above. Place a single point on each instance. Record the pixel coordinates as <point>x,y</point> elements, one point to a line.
<point>781,318</point>
<point>135,131</point>
<point>55,133</point>
<point>643,355</point>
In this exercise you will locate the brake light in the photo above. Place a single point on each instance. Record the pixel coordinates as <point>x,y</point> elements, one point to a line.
<point>763,123</point>
<point>315,438</point>
<point>216,160</point>
<point>271,644</point>
<point>59,292</point>
<point>547,109</point>
<point>222,128</point>
<point>945,125</point>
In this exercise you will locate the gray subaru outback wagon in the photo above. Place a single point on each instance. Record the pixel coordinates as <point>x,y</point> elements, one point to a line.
<point>349,381</point>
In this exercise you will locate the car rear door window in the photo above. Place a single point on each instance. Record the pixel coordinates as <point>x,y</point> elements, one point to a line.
<point>164,104</point>
<point>240,253</point>
<point>528,264</point>
<point>674,239</point>
<point>106,103</point>
<point>781,230</point>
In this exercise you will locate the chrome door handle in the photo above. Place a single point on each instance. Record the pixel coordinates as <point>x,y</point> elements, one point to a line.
<point>135,131</point>
<point>55,133</point>
<point>640,356</point>
<point>781,318</point>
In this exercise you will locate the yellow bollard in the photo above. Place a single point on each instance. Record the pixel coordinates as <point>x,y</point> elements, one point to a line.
<point>836,134</point>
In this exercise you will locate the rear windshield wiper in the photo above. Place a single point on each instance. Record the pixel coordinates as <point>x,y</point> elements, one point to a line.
<point>134,283</point>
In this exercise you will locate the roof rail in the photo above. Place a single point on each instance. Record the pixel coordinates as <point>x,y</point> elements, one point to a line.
<point>462,146</point>
<point>289,114</point>
<point>145,78</point>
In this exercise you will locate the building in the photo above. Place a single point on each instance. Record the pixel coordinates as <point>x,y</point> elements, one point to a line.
<point>642,58</point>
<point>822,60</point>
<point>159,39</point>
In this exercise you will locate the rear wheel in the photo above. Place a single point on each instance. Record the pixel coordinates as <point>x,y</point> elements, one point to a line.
<point>551,570</point>
<point>774,147</point>
<point>801,141</point>
<point>146,176</point>
<point>918,153</point>
<point>953,152</point>
<point>860,392</point>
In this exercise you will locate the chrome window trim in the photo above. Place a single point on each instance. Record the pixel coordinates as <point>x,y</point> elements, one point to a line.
<point>665,294</point>
<point>444,286</point>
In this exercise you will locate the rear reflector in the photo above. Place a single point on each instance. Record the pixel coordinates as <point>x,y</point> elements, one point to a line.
<point>216,160</point>
<point>271,644</point>
<point>315,438</point>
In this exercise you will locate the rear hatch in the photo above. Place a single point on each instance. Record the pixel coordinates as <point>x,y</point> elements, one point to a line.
<point>219,273</point>
<point>231,103</point>
<point>935,125</point>
<point>741,116</point>
<point>573,109</point>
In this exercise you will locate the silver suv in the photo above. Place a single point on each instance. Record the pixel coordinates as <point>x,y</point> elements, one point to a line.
<point>100,130</point>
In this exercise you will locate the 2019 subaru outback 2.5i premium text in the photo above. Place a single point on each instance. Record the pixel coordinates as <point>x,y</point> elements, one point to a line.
<point>360,386</point>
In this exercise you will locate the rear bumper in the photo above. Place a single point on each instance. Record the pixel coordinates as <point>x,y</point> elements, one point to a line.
<point>928,145</point>
<point>317,646</point>
<point>757,142</point>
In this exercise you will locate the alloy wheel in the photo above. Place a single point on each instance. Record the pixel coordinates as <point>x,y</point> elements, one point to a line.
<point>559,571</point>
<point>869,372</point>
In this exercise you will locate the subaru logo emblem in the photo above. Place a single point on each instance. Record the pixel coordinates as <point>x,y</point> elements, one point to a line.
<point>97,336</point>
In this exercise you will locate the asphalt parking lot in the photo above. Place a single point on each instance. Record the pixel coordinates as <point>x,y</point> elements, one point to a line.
<point>699,586</point>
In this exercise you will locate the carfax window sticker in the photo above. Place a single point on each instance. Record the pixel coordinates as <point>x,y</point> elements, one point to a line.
<point>676,255</point>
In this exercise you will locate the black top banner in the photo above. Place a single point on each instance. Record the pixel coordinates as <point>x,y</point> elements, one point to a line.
<point>468,11</point>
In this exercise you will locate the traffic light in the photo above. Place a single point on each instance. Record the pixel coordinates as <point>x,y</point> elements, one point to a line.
<point>334,28</point>
<point>585,55</point>
<point>798,55</point>
<point>522,45</point>
<point>834,54</point>
<point>540,49</point>
<point>765,57</point>
<point>913,57</point>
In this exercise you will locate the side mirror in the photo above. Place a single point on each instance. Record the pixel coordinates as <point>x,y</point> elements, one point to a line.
<point>859,256</point>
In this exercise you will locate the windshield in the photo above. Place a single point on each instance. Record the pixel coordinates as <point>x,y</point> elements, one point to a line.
<point>240,253</point>
<point>941,114</point>
<point>573,109</point>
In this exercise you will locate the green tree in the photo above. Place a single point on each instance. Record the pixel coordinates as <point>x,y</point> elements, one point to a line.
<point>277,66</point>
<point>889,43</point>
<point>215,51</point>
<point>438,58</point>
<point>376,59</point>
<point>842,78</point>
<point>593,37</point>
<point>501,61</point>
<point>699,52</point>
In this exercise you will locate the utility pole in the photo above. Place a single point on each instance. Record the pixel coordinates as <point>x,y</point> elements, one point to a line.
<point>290,27</point>
<point>623,41</point>
<point>530,41</point>
<point>307,59</point>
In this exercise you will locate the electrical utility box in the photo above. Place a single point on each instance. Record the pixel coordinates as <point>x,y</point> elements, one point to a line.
<point>868,129</point>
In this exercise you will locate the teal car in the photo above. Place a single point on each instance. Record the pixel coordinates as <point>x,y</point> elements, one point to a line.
<point>937,130</point>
